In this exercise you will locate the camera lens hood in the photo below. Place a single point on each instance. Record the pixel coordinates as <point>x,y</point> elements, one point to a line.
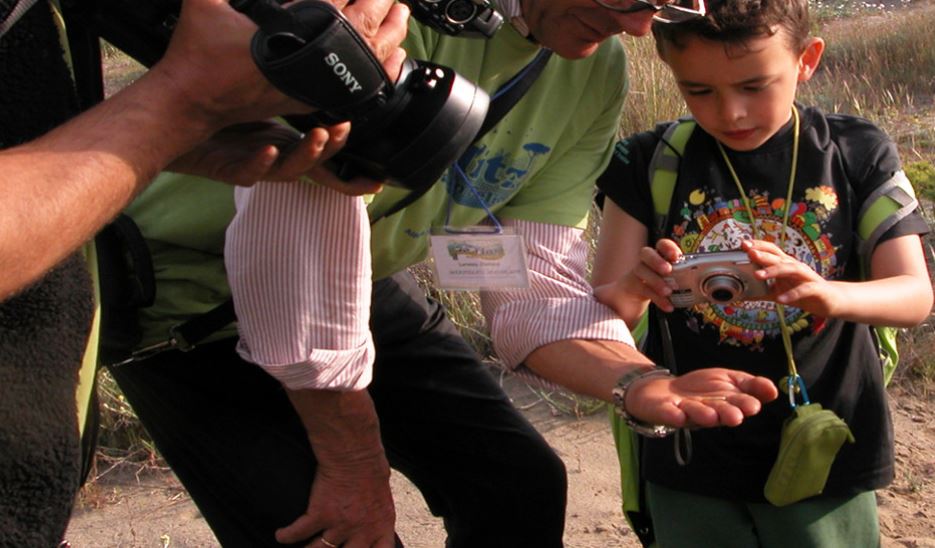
<point>430,120</point>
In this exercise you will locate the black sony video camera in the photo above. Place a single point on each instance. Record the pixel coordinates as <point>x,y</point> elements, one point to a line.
<point>406,132</point>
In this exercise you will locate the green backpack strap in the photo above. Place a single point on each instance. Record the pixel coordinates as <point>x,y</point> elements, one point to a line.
<point>664,169</point>
<point>663,174</point>
<point>886,206</point>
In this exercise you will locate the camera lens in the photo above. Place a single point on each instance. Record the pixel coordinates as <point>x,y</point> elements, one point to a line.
<point>722,288</point>
<point>460,11</point>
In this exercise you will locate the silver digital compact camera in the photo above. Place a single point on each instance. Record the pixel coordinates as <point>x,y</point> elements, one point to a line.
<point>718,277</point>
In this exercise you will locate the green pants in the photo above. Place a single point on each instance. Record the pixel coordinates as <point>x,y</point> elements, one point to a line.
<point>685,520</point>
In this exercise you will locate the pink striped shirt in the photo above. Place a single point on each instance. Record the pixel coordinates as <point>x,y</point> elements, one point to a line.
<point>298,262</point>
<point>299,269</point>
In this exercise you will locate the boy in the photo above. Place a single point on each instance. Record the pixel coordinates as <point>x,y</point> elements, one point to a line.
<point>753,149</point>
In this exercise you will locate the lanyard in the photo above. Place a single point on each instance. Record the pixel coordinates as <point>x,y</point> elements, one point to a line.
<point>794,382</point>
<point>457,169</point>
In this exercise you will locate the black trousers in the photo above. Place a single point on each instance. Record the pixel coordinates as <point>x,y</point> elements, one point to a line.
<point>231,436</point>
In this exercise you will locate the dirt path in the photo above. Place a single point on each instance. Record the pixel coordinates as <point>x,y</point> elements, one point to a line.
<point>152,509</point>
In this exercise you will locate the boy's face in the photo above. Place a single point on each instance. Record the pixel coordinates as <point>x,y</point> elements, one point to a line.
<point>575,29</point>
<point>743,94</point>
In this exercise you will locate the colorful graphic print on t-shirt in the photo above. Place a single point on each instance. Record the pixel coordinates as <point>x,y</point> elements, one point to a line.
<point>708,222</point>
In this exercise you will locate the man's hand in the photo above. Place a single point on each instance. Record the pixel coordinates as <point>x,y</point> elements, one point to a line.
<point>268,151</point>
<point>209,68</point>
<point>350,503</point>
<point>702,398</point>
<point>383,24</point>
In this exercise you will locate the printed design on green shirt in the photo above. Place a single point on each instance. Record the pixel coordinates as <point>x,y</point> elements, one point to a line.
<point>495,175</point>
<point>707,222</point>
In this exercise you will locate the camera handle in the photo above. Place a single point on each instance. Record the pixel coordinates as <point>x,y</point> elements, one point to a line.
<point>310,51</point>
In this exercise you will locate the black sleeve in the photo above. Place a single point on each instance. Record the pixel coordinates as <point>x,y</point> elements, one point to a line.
<point>626,179</point>
<point>870,156</point>
<point>872,159</point>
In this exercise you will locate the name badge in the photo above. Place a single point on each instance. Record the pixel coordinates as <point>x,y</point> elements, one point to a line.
<point>474,258</point>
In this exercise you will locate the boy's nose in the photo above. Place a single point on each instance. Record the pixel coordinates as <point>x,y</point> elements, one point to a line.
<point>732,109</point>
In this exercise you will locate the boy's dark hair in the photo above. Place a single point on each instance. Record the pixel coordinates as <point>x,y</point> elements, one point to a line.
<point>734,22</point>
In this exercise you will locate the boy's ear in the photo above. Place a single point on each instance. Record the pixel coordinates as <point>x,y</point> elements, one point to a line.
<point>811,56</point>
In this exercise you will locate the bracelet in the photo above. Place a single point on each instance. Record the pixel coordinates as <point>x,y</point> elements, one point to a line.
<point>620,399</point>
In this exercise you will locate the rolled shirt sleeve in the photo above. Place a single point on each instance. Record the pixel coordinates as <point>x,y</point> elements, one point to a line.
<point>559,303</point>
<point>298,262</point>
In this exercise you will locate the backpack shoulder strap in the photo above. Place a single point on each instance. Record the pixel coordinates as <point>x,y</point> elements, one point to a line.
<point>664,169</point>
<point>886,206</point>
<point>663,174</point>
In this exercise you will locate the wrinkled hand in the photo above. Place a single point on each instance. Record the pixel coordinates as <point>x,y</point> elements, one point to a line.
<point>268,151</point>
<point>702,398</point>
<point>350,505</point>
<point>792,281</point>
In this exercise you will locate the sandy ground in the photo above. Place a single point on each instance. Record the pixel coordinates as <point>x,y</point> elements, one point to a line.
<point>151,509</point>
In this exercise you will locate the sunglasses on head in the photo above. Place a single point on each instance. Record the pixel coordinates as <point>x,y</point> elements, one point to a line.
<point>667,11</point>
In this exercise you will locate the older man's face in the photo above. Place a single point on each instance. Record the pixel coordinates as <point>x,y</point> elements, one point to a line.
<point>575,28</point>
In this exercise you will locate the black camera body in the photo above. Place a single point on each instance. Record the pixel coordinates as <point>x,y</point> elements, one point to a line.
<point>471,18</point>
<point>406,132</point>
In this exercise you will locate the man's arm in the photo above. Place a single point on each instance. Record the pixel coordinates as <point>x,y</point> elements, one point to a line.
<point>559,331</point>
<point>351,502</point>
<point>62,187</point>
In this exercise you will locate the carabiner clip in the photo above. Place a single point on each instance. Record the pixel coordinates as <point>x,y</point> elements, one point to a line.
<point>795,384</point>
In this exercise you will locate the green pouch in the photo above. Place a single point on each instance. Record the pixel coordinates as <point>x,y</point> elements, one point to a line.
<point>810,441</point>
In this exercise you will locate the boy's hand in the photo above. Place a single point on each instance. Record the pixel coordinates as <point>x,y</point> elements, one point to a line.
<point>793,282</point>
<point>646,280</point>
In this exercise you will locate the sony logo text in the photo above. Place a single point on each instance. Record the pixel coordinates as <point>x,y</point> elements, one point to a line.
<point>342,72</point>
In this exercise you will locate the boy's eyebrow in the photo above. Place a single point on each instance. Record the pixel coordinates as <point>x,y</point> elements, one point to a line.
<point>747,82</point>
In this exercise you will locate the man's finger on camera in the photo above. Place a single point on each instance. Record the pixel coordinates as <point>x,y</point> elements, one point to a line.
<point>383,23</point>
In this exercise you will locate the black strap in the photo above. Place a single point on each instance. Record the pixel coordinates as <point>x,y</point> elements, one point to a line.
<point>85,47</point>
<point>504,100</point>
<point>198,328</point>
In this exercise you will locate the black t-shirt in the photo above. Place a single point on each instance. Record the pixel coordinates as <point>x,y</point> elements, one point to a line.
<point>842,159</point>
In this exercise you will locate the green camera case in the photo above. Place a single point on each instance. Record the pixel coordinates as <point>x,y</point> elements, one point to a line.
<point>810,441</point>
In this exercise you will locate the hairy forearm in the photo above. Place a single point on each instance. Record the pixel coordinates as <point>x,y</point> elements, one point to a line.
<point>61,188</point>
<point>588,367</point>
<point>342,427</point>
